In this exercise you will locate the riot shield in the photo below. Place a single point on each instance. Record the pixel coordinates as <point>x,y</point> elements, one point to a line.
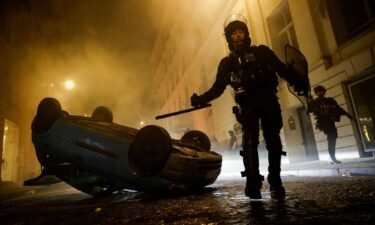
<point>295,59</point>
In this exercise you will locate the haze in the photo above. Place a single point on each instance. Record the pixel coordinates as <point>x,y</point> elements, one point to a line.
<point>104,47</point>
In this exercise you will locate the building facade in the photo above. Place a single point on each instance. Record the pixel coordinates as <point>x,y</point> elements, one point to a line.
<point>337,38</point>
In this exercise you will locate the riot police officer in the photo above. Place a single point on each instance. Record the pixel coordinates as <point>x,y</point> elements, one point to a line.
<point>252,73</point>
<point>327,112</point>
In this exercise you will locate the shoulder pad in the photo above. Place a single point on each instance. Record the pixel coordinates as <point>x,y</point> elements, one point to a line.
<point>225,59</point>
<point>263,47</point>
<point>331,99</point>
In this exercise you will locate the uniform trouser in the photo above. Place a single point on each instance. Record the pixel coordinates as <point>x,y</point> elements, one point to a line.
<point>268,113</point>
<point>330,130</point>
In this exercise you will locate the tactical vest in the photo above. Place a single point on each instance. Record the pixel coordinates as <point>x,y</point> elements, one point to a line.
<point>251,73</point>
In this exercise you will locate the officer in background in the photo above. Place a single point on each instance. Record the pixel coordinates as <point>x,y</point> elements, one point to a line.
<point>327,112</point>
<point>252,73</point>
<point>232,141</point>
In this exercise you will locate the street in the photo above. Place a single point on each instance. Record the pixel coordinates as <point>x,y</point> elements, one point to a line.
<point>310,200</point>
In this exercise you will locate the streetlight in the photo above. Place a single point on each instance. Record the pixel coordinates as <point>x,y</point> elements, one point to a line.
<point>69,84</point>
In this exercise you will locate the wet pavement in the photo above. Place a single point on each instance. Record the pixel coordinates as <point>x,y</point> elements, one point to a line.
<point>310,200</point>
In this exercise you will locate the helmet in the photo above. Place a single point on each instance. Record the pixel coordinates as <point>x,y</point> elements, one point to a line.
<point>233,22</point>
<point>319,88</point>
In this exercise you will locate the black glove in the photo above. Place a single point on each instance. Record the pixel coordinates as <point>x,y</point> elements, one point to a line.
<point>196,100</point>
<point>301,85</point>
<point>349,116</point>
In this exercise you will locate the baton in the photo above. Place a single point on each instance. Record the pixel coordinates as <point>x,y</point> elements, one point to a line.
<point>182,111</point>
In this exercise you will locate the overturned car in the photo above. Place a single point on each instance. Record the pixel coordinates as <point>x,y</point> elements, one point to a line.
<point>97,156</point>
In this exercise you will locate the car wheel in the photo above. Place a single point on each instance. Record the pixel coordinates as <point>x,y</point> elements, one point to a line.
<point>149,150</point>
<point>49,110</point>
<point>198,139</point>
<point>102,114</point>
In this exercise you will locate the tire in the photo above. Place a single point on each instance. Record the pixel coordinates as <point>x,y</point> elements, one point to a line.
<point>149,150</point>
<point>102,114</point>
<point>197,139</point>
<point>49,110</point>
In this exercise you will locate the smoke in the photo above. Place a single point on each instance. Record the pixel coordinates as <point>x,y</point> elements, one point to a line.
<point>103,46</point>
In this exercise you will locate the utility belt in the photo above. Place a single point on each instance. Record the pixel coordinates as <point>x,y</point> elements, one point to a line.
<point>244,94</point>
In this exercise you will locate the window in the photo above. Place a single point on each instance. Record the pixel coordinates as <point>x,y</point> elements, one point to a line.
<point>350,17</point>
<point>363,101</point>
<point>281,30</point>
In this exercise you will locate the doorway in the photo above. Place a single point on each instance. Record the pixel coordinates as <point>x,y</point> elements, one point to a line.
<point>363,100</point>
<point>9,161</point>
<point>307,135</point>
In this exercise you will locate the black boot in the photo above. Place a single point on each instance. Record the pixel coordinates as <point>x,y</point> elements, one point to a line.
<point>253,193</point>
<point>277,192</point>
<point>337,161</point>
<point>253,187</point>
<point>253,178</point>
<point>276,188</point>
<point>334,161</point>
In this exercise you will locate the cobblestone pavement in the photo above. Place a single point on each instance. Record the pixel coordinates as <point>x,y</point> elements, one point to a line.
<point>313,200</point>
